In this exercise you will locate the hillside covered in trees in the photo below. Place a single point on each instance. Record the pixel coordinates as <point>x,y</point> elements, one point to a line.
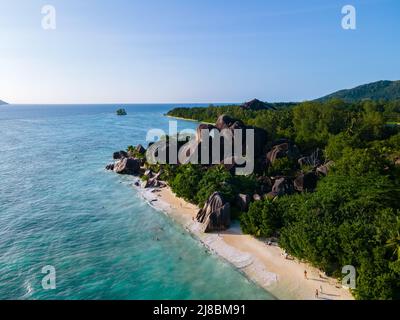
<point>347,213</point>
<point>380,90</point>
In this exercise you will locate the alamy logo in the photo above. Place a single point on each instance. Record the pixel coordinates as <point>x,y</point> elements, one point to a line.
<point>349,20</point>
<point>205,146</point>
<point>49,280</point>
<point>49,19</point>
<point>349,280</point>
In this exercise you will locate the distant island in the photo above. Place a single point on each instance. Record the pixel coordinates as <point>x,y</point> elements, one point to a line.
<point>121,112</point>
<point>3,102</point>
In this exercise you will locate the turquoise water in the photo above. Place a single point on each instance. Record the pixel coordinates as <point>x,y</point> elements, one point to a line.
<point>59,207</point>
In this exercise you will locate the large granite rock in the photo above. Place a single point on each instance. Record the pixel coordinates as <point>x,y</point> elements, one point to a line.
<point>158,152</point>
<point>281,187</point>
<point>203,126</point>
<point>120,155</point>
<point>127,166</point>
<point>265,184</point>
<point>306,182</point>
<point>243,202</point>
<point>153,181</point>
<point>226,127</point>
<point>324,169</point>
<point>286,149</point>
<point>140,149</point>
<point>215,215</point>
<point>226,122</point>
<point>110,166</point>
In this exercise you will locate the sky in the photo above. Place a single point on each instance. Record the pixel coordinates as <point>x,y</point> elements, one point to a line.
<point>197,51</point>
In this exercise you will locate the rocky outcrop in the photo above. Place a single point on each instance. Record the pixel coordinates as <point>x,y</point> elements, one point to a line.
<point>324,169</point>
<point>203,126</point>
<point>286,149</point>
<point>256,104</point>
<point>306,182</point>
<point>153,180</point>
<point>281,187</point>
<point>265,184</point>
<point>158,152</point>
<point>127,166</point>
<point>226,122</point>
<point>139,149</point>
<point>226,126</point>
<point>121,112</point>
<point>215,215</point>
<point>243,202</point>
<point>120,155</point>
<point>190,153</point>
<point>191,150</point>
<point>110,166</point>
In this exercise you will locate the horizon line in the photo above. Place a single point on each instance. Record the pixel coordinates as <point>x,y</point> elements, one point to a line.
<point>139,103</point>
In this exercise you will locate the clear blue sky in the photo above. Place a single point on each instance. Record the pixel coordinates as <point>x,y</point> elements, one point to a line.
<point>120,51</point>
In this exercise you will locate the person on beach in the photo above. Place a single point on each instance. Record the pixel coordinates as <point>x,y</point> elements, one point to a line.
<point>305,275</point>
<point>320,289</point>
<point>316,294</point>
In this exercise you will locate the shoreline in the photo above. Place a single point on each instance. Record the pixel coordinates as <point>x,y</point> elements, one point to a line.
<point>262,264</point>
<point>185,119</point>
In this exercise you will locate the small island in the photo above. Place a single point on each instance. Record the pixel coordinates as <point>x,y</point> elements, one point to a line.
<point>121,112</point>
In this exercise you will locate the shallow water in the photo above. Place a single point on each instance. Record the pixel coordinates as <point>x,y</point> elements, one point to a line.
<point>59,207</point>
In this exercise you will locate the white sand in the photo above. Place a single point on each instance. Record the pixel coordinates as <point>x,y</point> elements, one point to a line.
<point>262,264</point>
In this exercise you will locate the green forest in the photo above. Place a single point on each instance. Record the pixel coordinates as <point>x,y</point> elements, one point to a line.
<point>351,218</point>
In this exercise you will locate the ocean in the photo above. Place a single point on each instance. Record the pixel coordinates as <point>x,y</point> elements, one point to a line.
<point>60,208</point>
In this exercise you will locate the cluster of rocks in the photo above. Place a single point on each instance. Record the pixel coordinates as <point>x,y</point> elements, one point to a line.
<point>152,180</point>
<point>132,162</point>
<point>124,164</point>
<point>226,127</point>
<point>216,213</point>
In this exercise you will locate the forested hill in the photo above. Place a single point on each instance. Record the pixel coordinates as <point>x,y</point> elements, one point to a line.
<point>380,90</point>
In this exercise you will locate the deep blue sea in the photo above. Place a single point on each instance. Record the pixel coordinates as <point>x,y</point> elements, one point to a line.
<point>59,207</point>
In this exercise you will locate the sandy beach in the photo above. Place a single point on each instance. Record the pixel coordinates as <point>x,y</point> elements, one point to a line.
<point>262,263</point>
<point>191,120</point>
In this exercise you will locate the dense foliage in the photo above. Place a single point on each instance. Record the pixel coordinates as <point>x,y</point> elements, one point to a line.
<point>196,184</point>
<point>353,217</point>
<point>386,90</point>
<point>311,124</point>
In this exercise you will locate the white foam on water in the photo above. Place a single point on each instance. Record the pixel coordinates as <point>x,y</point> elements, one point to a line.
<point>245,262</point>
